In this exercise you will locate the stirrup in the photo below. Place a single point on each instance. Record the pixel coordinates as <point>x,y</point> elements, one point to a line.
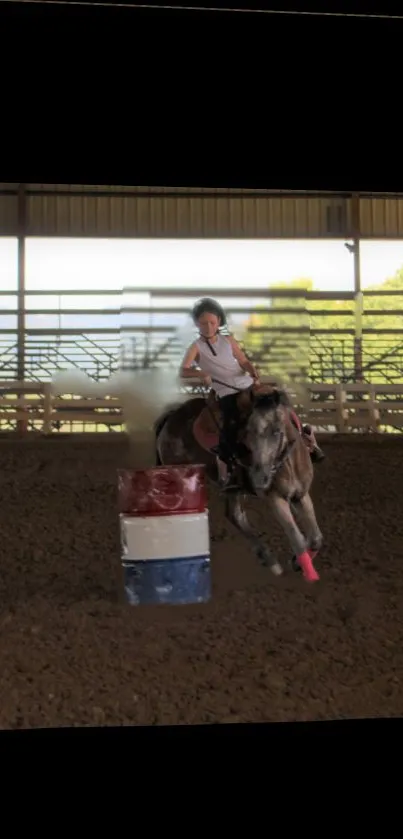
<point>228,484</point>
<point>222,455</point>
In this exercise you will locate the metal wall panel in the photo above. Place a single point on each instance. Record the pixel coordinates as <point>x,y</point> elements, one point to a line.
<point>381,218</point>
<point>112,211</point>
<point>175,217</point>
<point>8,215</point>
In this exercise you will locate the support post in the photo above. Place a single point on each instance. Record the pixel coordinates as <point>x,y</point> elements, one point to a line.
<point>358,297</point>
<point>22,425</point>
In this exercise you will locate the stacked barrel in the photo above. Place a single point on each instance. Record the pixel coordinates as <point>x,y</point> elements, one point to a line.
<point>165,539</point>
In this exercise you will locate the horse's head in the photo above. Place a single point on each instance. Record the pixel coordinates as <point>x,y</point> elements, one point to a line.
<point>265,414</point>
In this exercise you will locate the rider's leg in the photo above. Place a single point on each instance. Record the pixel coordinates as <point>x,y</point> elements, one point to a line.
<point>223,458</point>
<point>224,461</point>
<point>310,440</point>
<point>222,471</point>
<point>228,435</point>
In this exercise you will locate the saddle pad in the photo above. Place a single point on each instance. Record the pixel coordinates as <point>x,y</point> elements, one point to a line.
<point>205,437</point>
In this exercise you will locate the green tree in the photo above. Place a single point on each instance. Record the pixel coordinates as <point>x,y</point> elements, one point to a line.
<point>295,349</point>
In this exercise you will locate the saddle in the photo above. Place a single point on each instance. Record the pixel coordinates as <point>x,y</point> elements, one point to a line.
<point>295,421</point>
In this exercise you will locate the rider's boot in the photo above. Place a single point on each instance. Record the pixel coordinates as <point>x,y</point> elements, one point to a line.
<point>309,438</point>
<point>228,481</point>
<point>225,466</point>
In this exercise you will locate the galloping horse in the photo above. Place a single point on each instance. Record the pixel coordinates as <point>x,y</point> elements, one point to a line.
<point>272,461</point>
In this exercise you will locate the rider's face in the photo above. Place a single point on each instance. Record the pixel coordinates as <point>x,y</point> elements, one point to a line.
<point>208,324</point>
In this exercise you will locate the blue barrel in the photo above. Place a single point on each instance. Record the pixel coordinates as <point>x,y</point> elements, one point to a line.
<point>165,539</point>
<point>171,581</point>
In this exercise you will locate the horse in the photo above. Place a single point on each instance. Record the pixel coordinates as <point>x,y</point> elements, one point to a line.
<point>272,462</point>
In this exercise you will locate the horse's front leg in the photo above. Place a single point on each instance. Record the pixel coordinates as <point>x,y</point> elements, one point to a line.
<point>235,513</point>
<point>282,511</point>
<point>305,511</point>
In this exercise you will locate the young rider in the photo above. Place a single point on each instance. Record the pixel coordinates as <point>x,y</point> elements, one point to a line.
<point>220,357</point>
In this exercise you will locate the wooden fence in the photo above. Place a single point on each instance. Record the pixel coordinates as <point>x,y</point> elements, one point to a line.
<point>327,407</point>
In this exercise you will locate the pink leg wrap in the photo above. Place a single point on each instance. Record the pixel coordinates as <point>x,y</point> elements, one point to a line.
<point>305,562</point>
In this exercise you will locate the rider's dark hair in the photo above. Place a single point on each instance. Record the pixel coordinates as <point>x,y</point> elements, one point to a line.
<point>207,304</point>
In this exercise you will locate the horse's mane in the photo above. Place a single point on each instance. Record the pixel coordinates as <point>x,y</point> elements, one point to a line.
<point>269,397</point>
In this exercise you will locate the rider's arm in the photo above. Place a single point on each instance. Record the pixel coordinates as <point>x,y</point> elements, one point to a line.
<point>240,356</point>
<point>188,370</point>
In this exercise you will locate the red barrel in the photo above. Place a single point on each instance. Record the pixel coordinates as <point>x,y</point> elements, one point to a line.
<point>162,490</point>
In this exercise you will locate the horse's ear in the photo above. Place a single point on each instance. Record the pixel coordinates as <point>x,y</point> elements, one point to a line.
<point>282,398</point>
<point>261,390</point>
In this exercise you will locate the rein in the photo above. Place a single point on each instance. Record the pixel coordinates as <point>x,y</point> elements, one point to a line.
<point>225,384</point>
<point>283,456</point>
<point>284,453</point>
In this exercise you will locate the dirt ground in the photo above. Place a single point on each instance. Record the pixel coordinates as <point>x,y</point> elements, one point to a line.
<point>72,653</point>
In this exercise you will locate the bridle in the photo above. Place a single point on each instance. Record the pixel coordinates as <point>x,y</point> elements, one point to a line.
<point>283,453</point>
<point>280,459</point>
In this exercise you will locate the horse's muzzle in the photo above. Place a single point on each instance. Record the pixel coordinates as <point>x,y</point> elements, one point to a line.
<point>261,477</point>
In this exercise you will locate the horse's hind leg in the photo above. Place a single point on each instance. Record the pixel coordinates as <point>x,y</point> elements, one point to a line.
<point>284,516</point>
<point>235,513</point>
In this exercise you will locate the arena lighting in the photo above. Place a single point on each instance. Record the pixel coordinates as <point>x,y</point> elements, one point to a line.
<point>206,9</point>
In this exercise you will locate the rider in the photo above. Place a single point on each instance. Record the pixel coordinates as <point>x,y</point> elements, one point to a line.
<point>220,357</point>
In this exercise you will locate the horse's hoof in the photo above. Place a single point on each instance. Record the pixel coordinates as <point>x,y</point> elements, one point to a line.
<point>276,569</point>
<point>295,564</point>
<point>317,456</point>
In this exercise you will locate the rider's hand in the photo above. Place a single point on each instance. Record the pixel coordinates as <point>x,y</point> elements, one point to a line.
<point>207,380</point>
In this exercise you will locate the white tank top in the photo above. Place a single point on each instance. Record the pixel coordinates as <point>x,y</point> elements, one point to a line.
<point>222,366</point>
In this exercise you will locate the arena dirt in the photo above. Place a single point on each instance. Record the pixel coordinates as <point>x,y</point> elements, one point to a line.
<point>72,653</point>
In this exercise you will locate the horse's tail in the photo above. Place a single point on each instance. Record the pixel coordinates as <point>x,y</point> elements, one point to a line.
<point>158,461</point>
<point>159,425</point>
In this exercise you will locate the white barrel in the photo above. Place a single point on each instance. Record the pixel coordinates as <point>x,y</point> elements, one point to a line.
<point>165,537</point>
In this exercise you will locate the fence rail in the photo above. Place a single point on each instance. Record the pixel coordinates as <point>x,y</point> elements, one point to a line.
<point>336,407</point>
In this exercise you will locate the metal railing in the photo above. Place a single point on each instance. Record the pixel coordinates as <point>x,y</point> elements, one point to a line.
<point>295,338</point>
<point>330,358</point>
<point>329,407</point>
